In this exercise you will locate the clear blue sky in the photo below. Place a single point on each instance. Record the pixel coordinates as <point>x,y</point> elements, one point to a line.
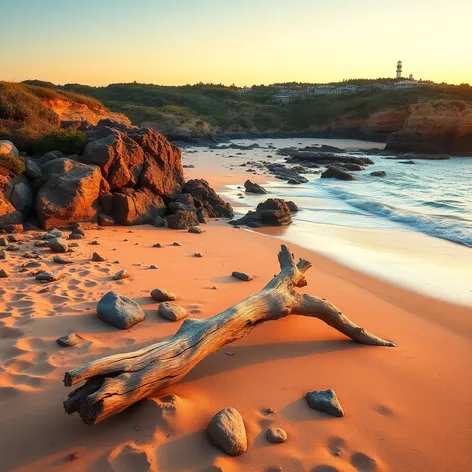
<point>245,41</point>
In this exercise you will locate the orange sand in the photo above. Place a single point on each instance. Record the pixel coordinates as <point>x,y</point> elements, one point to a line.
<point>407,409</point>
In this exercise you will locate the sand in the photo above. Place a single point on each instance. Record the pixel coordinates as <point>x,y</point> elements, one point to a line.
<point>407,408</point>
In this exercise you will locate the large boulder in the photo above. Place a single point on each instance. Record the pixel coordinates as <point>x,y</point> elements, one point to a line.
<point>70,194</point>
<point>182,220</point>
<point>204,196</point>
<point>119,157</point>
<point>22,197</point>
<point>7,147</point>
<point>137,207</point>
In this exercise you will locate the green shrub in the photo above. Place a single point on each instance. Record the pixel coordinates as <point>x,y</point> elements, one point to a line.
<point>68,141</point>
<point>11,164</point>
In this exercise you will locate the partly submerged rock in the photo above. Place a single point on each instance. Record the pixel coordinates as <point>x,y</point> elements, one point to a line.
<point>379,173</point>
<point>252,187</point>
<point>119,311</point>
<point>326,401</point>
<point>227,432</point>
<point>336,173</point>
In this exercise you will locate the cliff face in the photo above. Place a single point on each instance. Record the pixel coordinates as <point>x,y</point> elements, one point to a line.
<point>435,126</point>
<point>73,111</point>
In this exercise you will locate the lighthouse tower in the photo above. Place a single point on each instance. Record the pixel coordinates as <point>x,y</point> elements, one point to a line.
<point>399,69</point>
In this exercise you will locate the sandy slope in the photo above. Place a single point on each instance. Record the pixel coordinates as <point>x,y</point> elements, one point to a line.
<point>407,409</point>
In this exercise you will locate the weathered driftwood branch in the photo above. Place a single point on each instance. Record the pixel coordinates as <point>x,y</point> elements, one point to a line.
<point>116,382</point>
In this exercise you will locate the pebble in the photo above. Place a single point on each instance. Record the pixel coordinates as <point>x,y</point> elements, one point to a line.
<point>276,435</point>
<point>195,230</point>
<point>4,274</point>
<point>96,257</point>
<point>176,244</point>
<point>172,311</point>
<point>70,340</point>
<point>242,276</point>
<point>120,275</point>
<point>198,254</point>
<point>61,260</point>
<point>157,245</point>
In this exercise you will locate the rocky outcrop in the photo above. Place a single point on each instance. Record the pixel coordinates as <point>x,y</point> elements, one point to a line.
<point>272,212</point>
<point>204,196</point>
<point>69,195</point>
<point>137,207</point>
<point>336,173</point>
<point>252,187</point>
<point>435,127</point>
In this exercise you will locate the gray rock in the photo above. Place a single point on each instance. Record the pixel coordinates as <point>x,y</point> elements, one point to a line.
<point>96,257</point>
<point>242,276</point>
<point>163,295</point>
<point>122,274</point>
<point>70,340</point>
<point>337,173</point>
<point>45,276</point>
<point>4,274</point>
<point>54,233</point>
<point>292,207</point>
<point>32,171</point>
<point>227,432</point>
<point>252,187</point>
<point>276,435</point>
<point>159,222</point>
<point>172,311</point>
<point>195,230</point>
<point>13,248</point>
<point>379,173</point>
<point>202,215</point>
<point>22,198</point>
<point>61,260</point>
<point>182,220</point>
<point>326,401</point>
<point>119,311</point>
<point>59,245</point>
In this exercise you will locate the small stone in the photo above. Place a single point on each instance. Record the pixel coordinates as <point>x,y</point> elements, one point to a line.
<point>73,456</point>
<point>176,244</point>
<point>4,274</point>
<point>78,231</point>
<point>270,411</point>
<point>13,238</point>
<point>52,234</point>
<point>96,257</point>
<point>61,260</point>
<point>326,401</point>
<point>120,275</point>
<point>214,287</point>
<point>172,311</point>
<point>163,295</point>
<point>94,243</point>
<point>229,353</point>
<point>4,242</point>
<point>195,230</point>
<point>75,236</point>
<point>152,266</point>
<point>44,290</point>
<point>13,248</point>
<point>105,220</point>
<point>73,245</point>
<point>157,245</point>
<point>276,435</point>
<point>4,255</point>
<point>227,432</point>
<point>242,276</point>
<point>31,255</point>
<point>119,311</point>
<point>44,276</point>
<point>70,340</point>
<point>59,245</point>
<point>198,254</point>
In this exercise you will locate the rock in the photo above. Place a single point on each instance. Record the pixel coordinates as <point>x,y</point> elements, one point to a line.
<point>172,311</point>
<point>75,236</point>
<point>202,215</point>
<point>227,432</point>
<point>175,243</point>
<point>119,311</point>
<point>17,228</point>
<point>22,197</point>
<point>204,196</point>
<point>276,435</point>
<point>13,248</point>
<point>137,207</point>
<point>105,220</point>
<point>70,340</point>
<point>122,274</point>
<point>182,220</point>
<point>4,274</point>
<point>9,215</point>
<point>183,202</point>
<point>336,173</point>
<point>326,401</point>
<point>274,211</point>
<point>61,260</point>
<point>351,167</point>
<point>252,187</point>
<point>7,147</point>
<point>163,295</point>
<point>159,245</point>
<point>59,245</point>
<point>195,230</point>
<point>292,207</point>
<point>379,173</point>
<point>4,242</point>
<point>242,276</point>
<point>53,233</point>
<point>406,162</point>
<point>70,195</point>
<point>198,254</point>
<point>159,222</point>
<point>48,157</point>
<point>44,276</point>
<point>96,257</point>
<point>4,255</point>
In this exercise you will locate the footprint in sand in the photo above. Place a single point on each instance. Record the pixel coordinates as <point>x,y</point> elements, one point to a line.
<point>130,458</point>
<point>363,463</point>
<point>384,410</point>
<point>336,446</point>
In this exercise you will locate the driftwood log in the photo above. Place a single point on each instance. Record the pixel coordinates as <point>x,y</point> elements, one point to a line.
<point>114,383</point>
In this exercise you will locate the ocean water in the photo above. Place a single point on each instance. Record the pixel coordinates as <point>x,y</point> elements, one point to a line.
<point>413,227</point>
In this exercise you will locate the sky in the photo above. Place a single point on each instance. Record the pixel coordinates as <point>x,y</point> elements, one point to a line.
<point>246,42</point>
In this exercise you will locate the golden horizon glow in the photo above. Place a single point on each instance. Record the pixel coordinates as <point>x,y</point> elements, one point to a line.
<point>245,42</point>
